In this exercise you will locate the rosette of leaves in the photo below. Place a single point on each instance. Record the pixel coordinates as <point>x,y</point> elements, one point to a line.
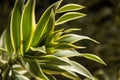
<point>30,50</point>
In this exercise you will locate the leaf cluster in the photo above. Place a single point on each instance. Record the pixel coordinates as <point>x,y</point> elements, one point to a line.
<point>36,50</point>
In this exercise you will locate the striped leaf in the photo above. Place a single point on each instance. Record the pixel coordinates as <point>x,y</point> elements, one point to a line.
<point>70,7</point>
<point>71,75</point>
<point>18,76</point>
<point>51,69</point>
<point>51,77</point>
<point>78,68</point>
<point>2,40</point>
<point>8,40</point>
<point>36,70</point>
<point>15,24</point>
<point>94,58</point>
<point>28,24</point>
<point>66,53</point>
<point>72,38</point>
<point>71,30</point>
<point>53,60</point>
<point>41,49</point>
<point>45,23</point>
<point>68,17</point>
<point>54,36</point>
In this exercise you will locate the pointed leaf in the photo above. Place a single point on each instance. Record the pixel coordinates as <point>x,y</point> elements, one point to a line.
<point>51,69</point>
<point>71,30</point>
<point>71,75</point>
<point>51,59</point>
<point>51,77</point>
<point>46,21</point>
<point>78,68</point>
<point>67,53</point>
<point>72,38</point>
<point>94,58</point>
<point>39,49</point>
<point>8,40</point>
<point>20,77</point>
<point>68,17</point>
<point>58,46</point>
<point>66,46</point>
<point>28,24</point>
<point>35,68</point>
<point>54,36</point>
<point>70,7</point>
<point>15,24</point>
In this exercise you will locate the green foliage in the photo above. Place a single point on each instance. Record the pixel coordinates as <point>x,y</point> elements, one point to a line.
<point>29,50</point>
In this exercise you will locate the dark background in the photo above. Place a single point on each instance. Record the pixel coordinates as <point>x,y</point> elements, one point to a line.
<point>102,23</point>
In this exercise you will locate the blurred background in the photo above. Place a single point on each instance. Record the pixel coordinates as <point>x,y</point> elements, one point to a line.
<point>102,23</point>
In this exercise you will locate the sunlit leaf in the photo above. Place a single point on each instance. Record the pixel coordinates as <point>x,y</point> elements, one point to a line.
<point>28,24</point>
<point>19,76</point>
<point>78,68</point>
<point>54,36</point>
<point>71,30</point>
<point>68,17</point>
<point>19,69</point>
<point>8,42</point>
<point>54,60</point>
<point>94,58</point>
<point>43,25</point>
<point>72,38</point>
<point>15,24</point>
<point>71,75</point>
<point>70,7</point>
<point>39,49</point>
<point>66,46</point>
<point>66,53</point>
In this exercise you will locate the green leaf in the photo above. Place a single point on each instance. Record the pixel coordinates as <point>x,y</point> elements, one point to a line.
<point>8,40</point>
<point>66,53</point>
<point>61,46</point>
<point>51,69</point>
<point>66,46</point>
<point>68,17</point>
<point>71,75</point>
<point>41,49</point>
<point>28,24</point>
<point>54,36</point>
<point>70,7</point>
<point>1,49</point>
<point>51,77</point>
<point>19,76</point>
<point>94,58</point>
<point>5,74</point>
<point>54,60</point>
<point>35,68</point>
<point>78,68</point>
<point>72,38</point>
<point>19,69</point>
<point>15,24</point>
<point>71,30</point>
<point>46,21</point>
<point>2,40</point>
